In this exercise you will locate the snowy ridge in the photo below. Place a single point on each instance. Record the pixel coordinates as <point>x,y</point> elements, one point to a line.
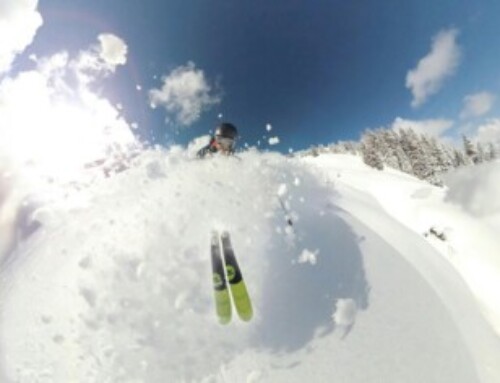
<point>115,286</point>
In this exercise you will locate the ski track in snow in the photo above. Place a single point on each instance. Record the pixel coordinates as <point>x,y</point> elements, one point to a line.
<point>117,288</point>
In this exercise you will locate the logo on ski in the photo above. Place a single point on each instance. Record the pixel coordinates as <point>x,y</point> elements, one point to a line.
<point>218,281</point>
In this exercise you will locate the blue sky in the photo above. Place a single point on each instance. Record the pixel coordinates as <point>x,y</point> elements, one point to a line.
<point>317,71</point>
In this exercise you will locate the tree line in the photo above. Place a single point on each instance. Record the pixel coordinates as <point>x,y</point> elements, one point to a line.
<point>414,153</point>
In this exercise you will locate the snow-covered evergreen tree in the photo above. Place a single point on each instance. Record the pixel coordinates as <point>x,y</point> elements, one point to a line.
<point>460,159</point>
<point>448,156</point>
<point>481,154</point>
<point>370,152</point>
<point>351,147</point>
<point>389,143</point>
<point>417,154</point>
<point>492,152</point>
<point>434,159</point>
<point>414,147</point>
<point>469,149</point>
<point>441,156</point>
<point>403,160</point>
<point>314,151</point>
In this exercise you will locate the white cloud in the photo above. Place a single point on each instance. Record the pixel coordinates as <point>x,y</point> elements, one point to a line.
<point>478,104</point>
<point>113,50</point>
<point>434,127</point>
<point>441,62</point>
<point>101,59</point>
<point>19,21</point>
<point>185,94</point>
<point>489,132</point>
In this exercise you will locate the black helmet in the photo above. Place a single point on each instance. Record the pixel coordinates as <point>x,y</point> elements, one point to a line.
<point>226,130</point>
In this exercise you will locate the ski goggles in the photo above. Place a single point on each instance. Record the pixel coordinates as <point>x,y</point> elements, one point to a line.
<point>225,142</point>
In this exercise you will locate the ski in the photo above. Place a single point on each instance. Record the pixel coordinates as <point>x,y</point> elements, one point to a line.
<point>221,292</point>
<point>237,284</point>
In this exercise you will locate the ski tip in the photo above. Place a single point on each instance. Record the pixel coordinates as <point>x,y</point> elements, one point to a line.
<point>246,315</point>
<point>224,320</point>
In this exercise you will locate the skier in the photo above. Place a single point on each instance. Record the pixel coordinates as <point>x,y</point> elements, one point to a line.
<point>227,277</point>
<point>223,141</point>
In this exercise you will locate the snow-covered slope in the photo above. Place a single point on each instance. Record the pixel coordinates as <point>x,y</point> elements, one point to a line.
<point>116,284</point>
<point>460,220</point>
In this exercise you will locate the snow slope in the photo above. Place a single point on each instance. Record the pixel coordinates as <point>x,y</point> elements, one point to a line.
<point>116,284</point>
<point>466,213</point>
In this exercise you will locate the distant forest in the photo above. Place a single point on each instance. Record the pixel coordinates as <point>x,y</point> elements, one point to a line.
<point>418,154</point>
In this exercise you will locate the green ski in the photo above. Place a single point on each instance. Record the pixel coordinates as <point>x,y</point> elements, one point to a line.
<point>221,292</point>
<point>237,284</point>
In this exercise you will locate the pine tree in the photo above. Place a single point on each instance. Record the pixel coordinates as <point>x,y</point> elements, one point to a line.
<point>389,142</point>
<point>492,152</point>
<point>313,151</point>
<point>481,155</point>
<point>459,159</point>
<point>369,151</point>
<point>404,163</point>
<point>448,153</point>
<point>442,157</point>
<point>351,147</point>
<point>469,149</point>
<point>412,145</point>
<point>411,148</point>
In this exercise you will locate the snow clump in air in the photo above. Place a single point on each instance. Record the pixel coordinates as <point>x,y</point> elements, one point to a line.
<point>476,188</point>
<point>345,313</point>
<point>282,190</point>
<point>274,141</point>
<point>308,256</point>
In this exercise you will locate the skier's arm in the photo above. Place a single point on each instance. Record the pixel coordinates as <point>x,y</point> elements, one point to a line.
<point>203,151</point>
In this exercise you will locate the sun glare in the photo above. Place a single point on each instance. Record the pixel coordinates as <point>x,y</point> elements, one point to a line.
<point>53,134</point>
<point>52,124</point>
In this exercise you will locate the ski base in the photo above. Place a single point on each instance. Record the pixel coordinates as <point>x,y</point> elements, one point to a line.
<point>237,284</point>
<point>221,292</point>
<point>226,270</point>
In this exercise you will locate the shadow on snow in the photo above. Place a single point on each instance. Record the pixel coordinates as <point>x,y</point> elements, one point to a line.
<point>298,298</point>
